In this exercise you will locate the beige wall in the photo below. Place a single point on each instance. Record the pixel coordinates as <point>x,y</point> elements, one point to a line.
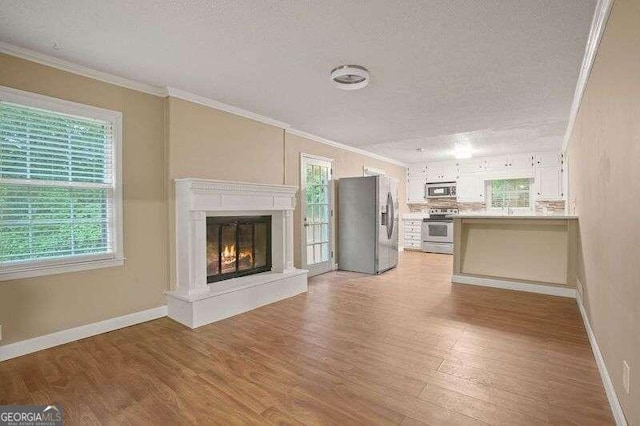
<point>346,164</point>
<point>164,139</point>
<point>530,250</point>
<point>37,306</point>
<point>213,144</point>
<point>604,188</point>
<point>208,143</point>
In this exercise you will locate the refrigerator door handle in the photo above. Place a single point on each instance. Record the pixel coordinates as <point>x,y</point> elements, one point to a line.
<point>390,216</point>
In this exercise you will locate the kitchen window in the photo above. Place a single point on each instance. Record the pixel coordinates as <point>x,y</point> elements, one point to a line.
<point>60,188</point>
<point>509,193</point>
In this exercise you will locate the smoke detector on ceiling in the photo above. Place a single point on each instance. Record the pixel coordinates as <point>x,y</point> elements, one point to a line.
<point>350,77</point>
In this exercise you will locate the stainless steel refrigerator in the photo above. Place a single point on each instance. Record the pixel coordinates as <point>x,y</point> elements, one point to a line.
<point>368,224</point>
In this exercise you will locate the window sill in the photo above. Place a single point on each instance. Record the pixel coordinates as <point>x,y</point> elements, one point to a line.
<point>39,271</point>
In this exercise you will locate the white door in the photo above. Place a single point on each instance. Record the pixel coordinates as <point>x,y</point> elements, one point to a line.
<point>317,214</point>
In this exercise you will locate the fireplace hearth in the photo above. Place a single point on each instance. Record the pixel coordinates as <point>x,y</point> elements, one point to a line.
<point>215,224</point>
<point>237,246</point>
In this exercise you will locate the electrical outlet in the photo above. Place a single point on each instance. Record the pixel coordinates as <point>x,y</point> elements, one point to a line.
<point>626,375</point>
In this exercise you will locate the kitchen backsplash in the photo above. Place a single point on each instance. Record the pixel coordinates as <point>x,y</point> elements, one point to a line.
<point>445,203</point>
<point>551,207</point>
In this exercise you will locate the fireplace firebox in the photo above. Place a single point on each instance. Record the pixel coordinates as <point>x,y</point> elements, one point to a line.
<point>237,246</point>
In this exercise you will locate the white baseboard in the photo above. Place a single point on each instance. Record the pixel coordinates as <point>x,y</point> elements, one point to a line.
<point>400,248</point>
<point>616,408</point>
<point>515,285</point>
<point>35,344</point>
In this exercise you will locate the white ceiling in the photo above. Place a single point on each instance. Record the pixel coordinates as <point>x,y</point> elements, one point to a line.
<point>499,74</point>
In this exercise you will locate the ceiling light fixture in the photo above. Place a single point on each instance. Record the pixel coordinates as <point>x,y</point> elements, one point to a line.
<point>463,151</point>
<point>350,77</point>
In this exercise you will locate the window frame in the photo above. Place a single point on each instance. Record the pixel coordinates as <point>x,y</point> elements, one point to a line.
<point>42,267</point>
<point>489,195</point>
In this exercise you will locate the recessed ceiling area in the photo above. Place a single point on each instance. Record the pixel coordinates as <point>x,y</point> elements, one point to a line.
<point>499,75</point>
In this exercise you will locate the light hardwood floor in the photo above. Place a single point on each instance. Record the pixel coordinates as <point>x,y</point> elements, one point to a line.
<point>406,347</point>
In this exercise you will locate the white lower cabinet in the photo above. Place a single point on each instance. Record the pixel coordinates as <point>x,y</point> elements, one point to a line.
<point>470,188</point>
<point>412,234</point>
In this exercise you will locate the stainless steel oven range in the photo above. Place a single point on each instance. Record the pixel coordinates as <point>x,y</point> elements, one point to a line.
<point>437,231</point>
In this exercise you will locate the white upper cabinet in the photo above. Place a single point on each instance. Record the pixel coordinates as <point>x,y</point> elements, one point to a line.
<point>548,176</point>
<point>521,162</point>
<point>445,171</point>
<point>470,188</point>
<point>506,166</point>
<point>416,179</point>
<point>499,163</point>
<point>547,159</point>
<point>548,183</point>
<point>545,168</point>
<point>471,165</point>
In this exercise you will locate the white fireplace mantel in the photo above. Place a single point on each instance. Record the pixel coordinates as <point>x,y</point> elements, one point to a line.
<point>194,302</point>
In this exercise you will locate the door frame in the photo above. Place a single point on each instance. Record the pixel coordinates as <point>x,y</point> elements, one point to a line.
<point>332,219</point>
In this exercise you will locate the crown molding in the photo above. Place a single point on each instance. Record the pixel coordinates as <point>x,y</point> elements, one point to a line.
<point>201,100</point>
<point>63,65</point>
<point>598,25</point>
<point>343,146</point>
<point>192,97</point>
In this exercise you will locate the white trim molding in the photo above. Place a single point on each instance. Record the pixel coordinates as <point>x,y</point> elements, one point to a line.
<point>616,408</point>
<point>71,67</point>
<point>598,24</point>
<point>63,65</point>
<point>115,257</point>
<point>195,302</point>
<point>515,285</point>
<point>39,343</point>
<point>201,100</point>
<point>343,146</point>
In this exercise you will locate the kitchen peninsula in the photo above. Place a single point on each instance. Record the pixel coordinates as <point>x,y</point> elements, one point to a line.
<point>536,253</point>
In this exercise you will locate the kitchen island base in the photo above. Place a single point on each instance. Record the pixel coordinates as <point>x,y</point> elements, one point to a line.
<point>536,253</point>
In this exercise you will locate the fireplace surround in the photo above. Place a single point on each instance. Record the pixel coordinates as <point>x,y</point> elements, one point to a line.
<point>198,298</point>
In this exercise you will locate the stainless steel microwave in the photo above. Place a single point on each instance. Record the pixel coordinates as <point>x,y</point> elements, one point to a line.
<point>441,190</point>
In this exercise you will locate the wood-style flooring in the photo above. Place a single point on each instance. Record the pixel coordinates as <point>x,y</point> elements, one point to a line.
<point>406,347</point>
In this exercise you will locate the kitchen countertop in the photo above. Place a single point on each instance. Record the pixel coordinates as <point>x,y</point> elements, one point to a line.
<point>512,216</point>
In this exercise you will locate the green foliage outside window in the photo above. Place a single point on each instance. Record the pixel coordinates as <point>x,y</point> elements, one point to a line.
<point>55,177</point>
<point>513,193</point>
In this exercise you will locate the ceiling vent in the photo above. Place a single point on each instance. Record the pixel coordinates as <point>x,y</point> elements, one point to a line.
<point>350,77</point>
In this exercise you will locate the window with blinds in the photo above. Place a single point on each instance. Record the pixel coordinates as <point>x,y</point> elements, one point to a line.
<point>57,183</point>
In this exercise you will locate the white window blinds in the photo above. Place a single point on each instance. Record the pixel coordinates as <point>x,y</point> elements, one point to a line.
<point>56,185</point>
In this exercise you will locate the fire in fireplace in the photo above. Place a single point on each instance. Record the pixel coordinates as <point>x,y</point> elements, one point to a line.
<point>237,246</point>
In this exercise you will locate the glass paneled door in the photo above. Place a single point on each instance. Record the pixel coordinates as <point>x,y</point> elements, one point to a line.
<point>317,212</point>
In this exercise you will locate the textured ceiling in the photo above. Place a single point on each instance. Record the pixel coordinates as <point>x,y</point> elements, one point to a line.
<point>499,74</point>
